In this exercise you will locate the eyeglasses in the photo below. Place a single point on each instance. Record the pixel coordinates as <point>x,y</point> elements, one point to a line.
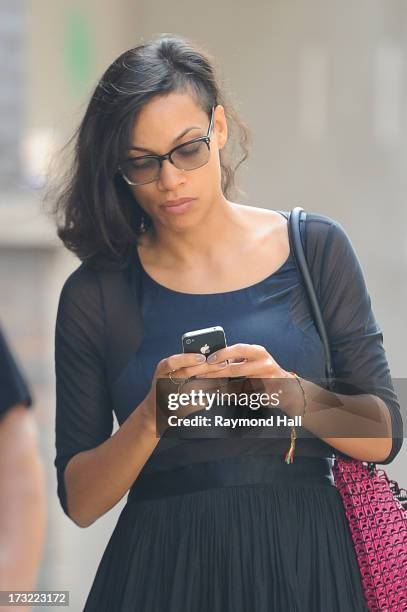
<point>187,156</point>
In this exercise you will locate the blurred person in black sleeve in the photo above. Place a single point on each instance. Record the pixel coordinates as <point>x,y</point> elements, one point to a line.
<point>22,482</point>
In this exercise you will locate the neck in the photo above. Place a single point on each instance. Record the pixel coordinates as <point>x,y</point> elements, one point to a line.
<point>221,231</point>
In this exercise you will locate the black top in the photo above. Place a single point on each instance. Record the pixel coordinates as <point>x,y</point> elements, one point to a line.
<point>113,328</point>
<point>13,387</point>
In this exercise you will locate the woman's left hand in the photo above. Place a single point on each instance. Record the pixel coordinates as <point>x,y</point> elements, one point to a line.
<point>250,360</point>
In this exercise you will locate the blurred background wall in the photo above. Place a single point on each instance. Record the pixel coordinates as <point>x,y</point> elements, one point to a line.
<point>323,87</point>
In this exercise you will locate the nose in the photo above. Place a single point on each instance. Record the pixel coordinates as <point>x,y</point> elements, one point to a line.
<point>170,176</point>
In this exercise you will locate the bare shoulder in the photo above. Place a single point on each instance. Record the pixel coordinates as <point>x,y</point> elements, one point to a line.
<point>266,226</point>
<point>261,217</point>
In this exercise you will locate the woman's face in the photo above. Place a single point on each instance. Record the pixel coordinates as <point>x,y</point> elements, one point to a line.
<point>162,124</point>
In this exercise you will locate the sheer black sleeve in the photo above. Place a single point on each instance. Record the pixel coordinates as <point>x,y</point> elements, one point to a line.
<point>356,339</point>
<point>84,416</point>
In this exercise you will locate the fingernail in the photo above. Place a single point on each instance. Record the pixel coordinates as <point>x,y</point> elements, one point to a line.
<point>200,358</point>
<point>212,358</point>
<point>223,364</point>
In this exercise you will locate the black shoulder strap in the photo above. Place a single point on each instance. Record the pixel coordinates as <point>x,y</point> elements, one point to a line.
<point>295,216</point>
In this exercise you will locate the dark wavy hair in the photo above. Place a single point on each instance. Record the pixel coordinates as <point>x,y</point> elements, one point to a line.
<point>95,211</point>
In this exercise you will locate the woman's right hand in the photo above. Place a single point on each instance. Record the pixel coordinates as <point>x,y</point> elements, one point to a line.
<point>183,367</point>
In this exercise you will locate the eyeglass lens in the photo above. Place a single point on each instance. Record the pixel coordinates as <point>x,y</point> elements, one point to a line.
<point>186,157</point>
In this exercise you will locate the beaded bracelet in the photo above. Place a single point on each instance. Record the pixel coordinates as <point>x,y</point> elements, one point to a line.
<point>289,457</point>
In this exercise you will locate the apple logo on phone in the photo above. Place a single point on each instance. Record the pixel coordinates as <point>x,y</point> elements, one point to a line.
<point>205,349</point>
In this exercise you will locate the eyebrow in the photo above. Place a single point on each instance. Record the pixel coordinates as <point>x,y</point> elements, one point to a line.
<point>194,127</point>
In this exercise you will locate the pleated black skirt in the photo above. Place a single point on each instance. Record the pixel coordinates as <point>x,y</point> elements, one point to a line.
<point>243,534</point>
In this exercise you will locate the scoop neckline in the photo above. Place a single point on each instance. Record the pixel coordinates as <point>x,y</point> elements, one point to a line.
<point>232,291</point>
<point>218,293</point>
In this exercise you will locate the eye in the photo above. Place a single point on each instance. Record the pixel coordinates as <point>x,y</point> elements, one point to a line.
<point>189,149</point>
<point>138,163</point>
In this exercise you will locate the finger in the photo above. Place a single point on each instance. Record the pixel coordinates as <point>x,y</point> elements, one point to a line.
<point>236,352</point>
<point>180,360</point>
<point>200,369</point>
<point>200,384</point>
<point>242,368</point>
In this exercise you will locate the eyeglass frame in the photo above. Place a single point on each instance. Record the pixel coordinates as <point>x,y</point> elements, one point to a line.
<point>161,158</point>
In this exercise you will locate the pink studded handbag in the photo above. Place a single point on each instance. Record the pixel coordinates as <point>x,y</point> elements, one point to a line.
<point>375,506</point>
<point>378,524</point>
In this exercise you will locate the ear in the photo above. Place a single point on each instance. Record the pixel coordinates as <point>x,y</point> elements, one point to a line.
<point>220,126</point>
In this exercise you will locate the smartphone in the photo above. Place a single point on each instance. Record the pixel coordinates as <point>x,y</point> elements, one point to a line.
<point>205,341</point>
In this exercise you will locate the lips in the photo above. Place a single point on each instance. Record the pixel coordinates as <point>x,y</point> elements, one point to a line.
<point>171,203</point>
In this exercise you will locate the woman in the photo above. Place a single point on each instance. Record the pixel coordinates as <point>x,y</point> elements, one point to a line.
<point>226,522</point>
